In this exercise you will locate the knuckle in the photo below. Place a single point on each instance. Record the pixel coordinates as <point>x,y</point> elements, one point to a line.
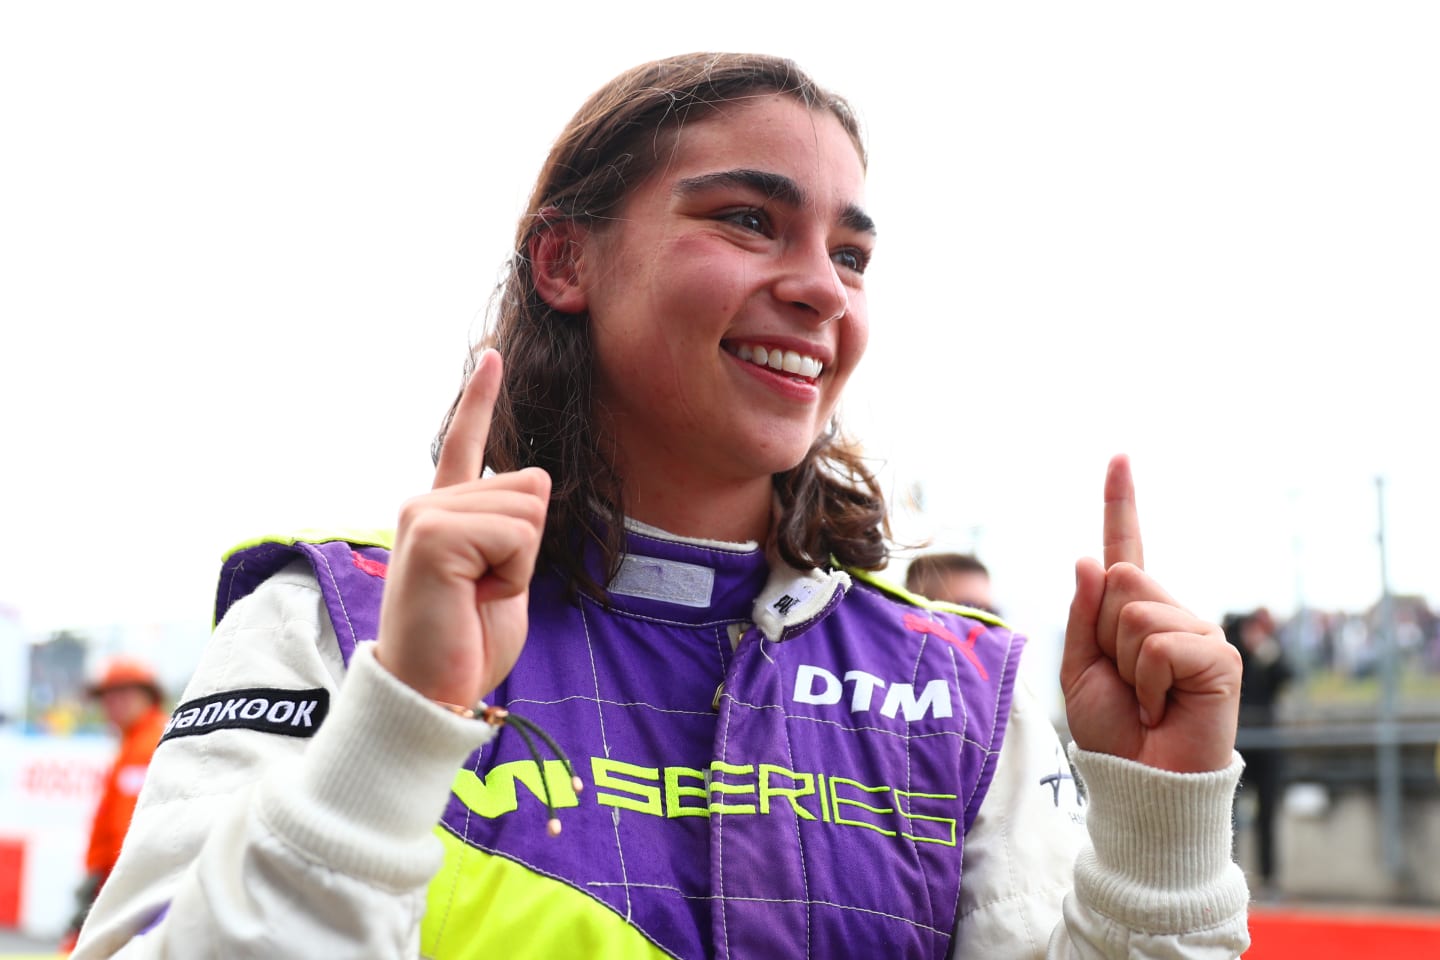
<point>523,508</point>
<point>1127,575</point>
<point>1134,618</point>
<point>427,523</point>
<point>532,533</point>
<point>1156,648</point>
<point>1232,656</point>
<point>537,481</point>
<point>516,530</point>
<point>535,514</point>
<point>411,510</point>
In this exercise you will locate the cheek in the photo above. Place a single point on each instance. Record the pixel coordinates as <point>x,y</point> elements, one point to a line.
<point>855,335</point>
<point>702,277</point>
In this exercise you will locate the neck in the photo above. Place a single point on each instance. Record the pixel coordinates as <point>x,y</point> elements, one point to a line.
<point>689,501</point>
<point>728,515</point>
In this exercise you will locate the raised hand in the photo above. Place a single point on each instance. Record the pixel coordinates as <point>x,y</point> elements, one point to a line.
<point>1144,678</point>
<point>455,610</point>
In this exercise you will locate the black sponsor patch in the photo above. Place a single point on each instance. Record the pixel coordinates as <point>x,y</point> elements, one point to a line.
<point>291,713</point>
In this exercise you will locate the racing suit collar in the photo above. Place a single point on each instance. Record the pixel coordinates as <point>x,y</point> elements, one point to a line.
<point>694,581</point>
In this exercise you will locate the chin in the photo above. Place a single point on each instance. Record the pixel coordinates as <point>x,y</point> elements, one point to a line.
<point>783,461</point>
<point>767,447</point>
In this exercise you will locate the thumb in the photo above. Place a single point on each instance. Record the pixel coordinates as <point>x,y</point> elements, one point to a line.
<point>1082,643</point>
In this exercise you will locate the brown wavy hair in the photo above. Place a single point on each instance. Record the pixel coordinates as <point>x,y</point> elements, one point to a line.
<point>831,507</point>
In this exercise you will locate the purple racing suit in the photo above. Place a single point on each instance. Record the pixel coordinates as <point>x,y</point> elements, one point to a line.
<point>792,775</point>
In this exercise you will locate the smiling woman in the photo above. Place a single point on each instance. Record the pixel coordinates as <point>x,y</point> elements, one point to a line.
<point>744,232</point>
<point>646,536</point>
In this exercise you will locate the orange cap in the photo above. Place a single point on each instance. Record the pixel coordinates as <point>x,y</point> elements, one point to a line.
<point>126,672</point>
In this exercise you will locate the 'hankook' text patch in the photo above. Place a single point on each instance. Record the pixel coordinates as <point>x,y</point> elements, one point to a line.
<point>291,713</point>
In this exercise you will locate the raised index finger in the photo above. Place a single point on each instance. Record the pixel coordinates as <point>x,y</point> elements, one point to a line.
<point>1122,520</point>
<point>462,455</point>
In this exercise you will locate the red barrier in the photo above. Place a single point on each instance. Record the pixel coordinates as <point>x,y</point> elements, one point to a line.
<point>1314,935</point>
<point>12,879</point>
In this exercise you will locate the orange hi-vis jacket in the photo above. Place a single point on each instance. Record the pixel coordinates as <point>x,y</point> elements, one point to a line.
<point>122,787</point>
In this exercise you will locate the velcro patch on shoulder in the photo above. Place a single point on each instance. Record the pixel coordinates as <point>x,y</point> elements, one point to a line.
<point>290,713</point>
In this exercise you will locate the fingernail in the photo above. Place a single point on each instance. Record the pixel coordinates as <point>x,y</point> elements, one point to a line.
<point>1144,716</point>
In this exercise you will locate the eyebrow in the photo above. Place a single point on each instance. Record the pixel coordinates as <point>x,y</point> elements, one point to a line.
<point>774,186</point>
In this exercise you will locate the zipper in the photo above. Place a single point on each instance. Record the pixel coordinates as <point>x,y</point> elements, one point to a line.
<point>736,632</point>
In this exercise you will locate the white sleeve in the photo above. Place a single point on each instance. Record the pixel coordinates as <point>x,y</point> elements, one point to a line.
<point>1158,880</point>
<point>1140,868</point>
<point>251,844</point>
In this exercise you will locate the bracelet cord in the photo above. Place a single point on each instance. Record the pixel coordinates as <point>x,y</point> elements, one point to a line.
<point>528,730</point>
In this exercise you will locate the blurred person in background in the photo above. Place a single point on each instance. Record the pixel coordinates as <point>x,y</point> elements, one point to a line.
<point>131,699</point>
<point>951,577</point>
<point>1265,675</point>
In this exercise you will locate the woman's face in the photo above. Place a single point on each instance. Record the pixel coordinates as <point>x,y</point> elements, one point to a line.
<point>743,253</point>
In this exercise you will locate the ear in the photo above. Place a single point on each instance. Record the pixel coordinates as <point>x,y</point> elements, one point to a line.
<point>554,258</point>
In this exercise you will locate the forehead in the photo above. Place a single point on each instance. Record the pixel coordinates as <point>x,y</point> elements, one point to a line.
<point>964,576</point>
<point>771,132</point>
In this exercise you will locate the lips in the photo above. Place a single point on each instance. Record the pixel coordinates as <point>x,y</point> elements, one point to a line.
<point>791,362</point>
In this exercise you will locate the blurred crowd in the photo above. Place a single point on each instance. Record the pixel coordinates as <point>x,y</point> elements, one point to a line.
<point>1350,644</point>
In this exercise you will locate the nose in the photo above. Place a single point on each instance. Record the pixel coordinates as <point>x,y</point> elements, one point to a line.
<point>810,282</point>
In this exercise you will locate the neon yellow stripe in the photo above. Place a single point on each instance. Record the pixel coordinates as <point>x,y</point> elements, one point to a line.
<point>480,907</point>
<point>360,536</point>
<point>914,599</point>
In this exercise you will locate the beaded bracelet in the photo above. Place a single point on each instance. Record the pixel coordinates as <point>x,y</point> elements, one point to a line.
<point>498,717</point>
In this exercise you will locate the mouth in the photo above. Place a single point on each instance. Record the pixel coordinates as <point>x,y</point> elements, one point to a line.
<point>790,363</point>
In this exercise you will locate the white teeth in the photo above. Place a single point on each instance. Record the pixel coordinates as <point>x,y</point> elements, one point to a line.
<point>786,361</point>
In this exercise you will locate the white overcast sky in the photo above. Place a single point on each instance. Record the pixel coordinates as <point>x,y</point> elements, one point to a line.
<point>243,249</point>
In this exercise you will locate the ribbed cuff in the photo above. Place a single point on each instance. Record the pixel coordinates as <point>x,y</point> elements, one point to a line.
<point>375,779</point>
<point>1160,860</point>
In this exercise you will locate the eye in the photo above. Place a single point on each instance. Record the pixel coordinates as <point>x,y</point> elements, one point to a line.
<point>851,258</point>
<point>749,219</point>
